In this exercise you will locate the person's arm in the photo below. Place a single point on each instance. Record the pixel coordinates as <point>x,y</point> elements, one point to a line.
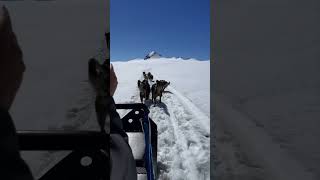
<point>115,121</point>
<point>12,167</point>
<point>122,164</point>
<point>116,125</point>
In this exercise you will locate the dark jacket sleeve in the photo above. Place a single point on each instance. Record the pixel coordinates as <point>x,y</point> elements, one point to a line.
<point>116,126</point>
<point>122,162</point>
<point>12,166</point>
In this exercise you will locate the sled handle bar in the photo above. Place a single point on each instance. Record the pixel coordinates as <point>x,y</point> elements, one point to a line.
<point>137,106</point>
<point>69,140</point>
<point>62,140</point>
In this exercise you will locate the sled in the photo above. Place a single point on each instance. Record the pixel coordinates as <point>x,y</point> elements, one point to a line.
<point>89,157</point>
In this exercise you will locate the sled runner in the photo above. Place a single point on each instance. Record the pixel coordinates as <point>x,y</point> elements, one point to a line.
<point>89,157</point>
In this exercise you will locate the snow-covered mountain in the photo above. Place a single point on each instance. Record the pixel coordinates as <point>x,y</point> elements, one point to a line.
<point>153,55</point>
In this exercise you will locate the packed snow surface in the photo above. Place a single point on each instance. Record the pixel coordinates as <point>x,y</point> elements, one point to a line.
<point>55,93</point>
<point>268,66</point>
<point>57,39</point>
<point>182,117</point>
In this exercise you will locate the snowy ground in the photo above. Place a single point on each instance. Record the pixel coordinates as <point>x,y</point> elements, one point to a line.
<point>56,50</point>
<point>57,39</point>
<point>183,131</point>
<point>267,65</point>
<point>182,117</point>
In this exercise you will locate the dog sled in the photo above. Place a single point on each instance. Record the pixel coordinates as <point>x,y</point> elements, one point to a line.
<point>89,157</point>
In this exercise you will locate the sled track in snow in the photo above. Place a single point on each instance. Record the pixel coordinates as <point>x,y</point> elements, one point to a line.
<point>79,116</point>
<point>183,141</point>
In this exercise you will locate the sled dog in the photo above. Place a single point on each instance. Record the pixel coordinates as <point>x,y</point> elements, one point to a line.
<point>158,88</point>
<point>150,76</point>
<point>145,77</point>
<point>144,89</point>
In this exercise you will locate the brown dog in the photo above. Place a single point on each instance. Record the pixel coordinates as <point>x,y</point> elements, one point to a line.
<point>158,88</point>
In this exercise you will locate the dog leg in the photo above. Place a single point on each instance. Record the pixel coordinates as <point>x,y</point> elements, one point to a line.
<point>141,97</point>
<point>152,96</point>
<point>148,94</point>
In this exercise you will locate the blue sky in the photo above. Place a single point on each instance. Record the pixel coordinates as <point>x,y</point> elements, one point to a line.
<point>170,27</point>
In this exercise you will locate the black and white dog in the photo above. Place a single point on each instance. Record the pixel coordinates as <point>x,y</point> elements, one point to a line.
<point>144,89</point>
<point>150,76</point>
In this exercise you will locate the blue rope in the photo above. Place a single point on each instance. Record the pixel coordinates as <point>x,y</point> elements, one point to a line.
<point>149,166</point>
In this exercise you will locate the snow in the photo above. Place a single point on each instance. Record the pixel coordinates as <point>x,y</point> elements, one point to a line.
<point>55,93</point>
<point>57,39</point>
<point>56,50</point>
<point>277,162</point>
<point>182,118</point>
<point>267,69</point>
<point>153,55</point>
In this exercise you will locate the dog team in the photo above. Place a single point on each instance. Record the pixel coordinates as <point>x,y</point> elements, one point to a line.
<point>156,89</point>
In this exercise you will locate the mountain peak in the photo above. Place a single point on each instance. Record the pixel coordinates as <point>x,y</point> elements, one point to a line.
<point>152,55</point>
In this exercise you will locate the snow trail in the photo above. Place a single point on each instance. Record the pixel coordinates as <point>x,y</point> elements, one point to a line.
<point>183,128</point>
<point>183,141</point>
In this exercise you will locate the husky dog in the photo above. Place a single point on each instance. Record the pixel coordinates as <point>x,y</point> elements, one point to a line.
<point>158,88</point>
<point>144,89</point>
<point>145,77</point>
<point>150,76</point>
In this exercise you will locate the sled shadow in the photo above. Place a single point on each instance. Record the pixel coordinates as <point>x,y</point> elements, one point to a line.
<point>148,103</point>
<point>161,105</point>
<point>167,92</point>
